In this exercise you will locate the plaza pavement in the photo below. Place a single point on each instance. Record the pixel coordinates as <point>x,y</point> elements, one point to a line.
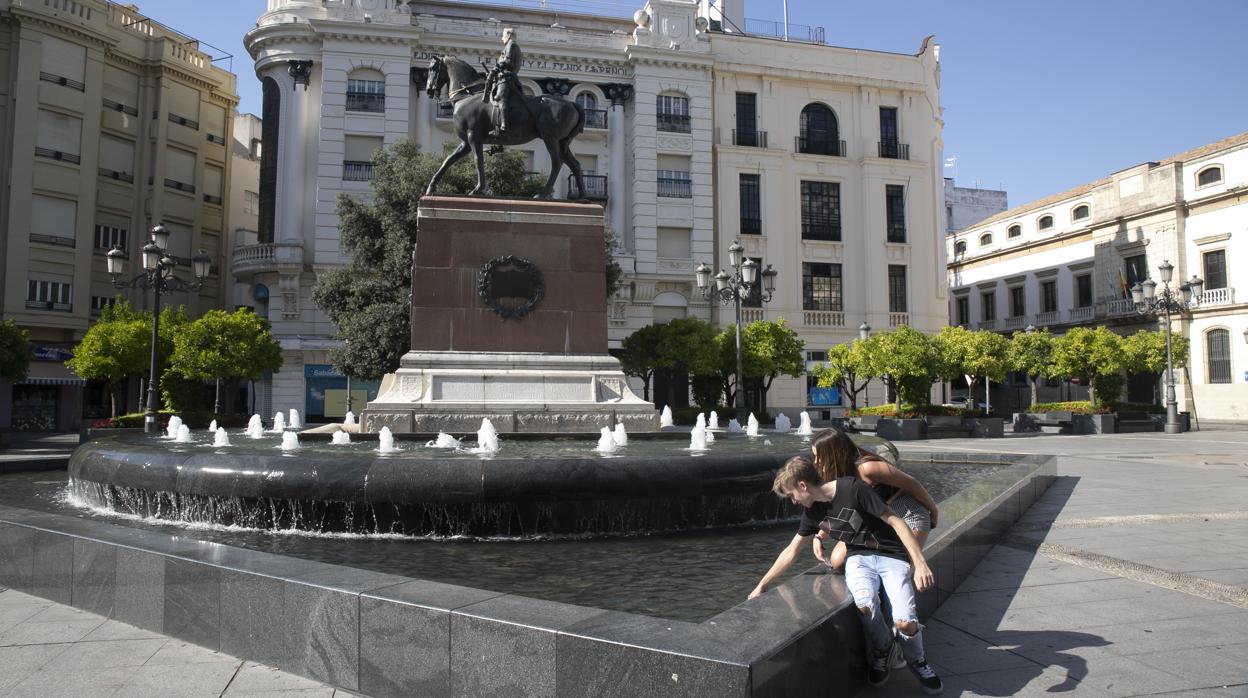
<point>1128,578</point>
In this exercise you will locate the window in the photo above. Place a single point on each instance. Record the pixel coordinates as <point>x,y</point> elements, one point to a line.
<point>1048,296</point>
<point>1136,271</point>
<point>821,211</point>
<point>1018,301</point>
<point>54,295</point>
<point>122,88</point>
<point>988,307</point>
<point>890,147</point>
<point>587,100</point>
<point>1081,212</point>
<point>751,204</point>
<point>897,288</point>
<point>895,211</point>
<point>109,236</point>
<point>949,218</point>
<point>1083,291</point>
<point>357,157</point>
<point>180,169</point>
<point>747,132</point>
<point>1215,269</point>
<point>367,92</point>
<point>99,303</point>
<point>962,310</point>
<point>251,203</point>
<point>58,136</point>
<point>63,63</point>
<point>1014,231</point>
<point>1218,354</point>
<point>1045,222</point>
<point>53,221</point>
<point>818,131</point>
<point>821,286</point>
<point>673,113</point>
<point>594,117</point>
<point>959,248</point>
<point>116,158</point>
<point>183,101</point>
<point>985,239</point>
<point>1209,175</point>
<point>675,184</point>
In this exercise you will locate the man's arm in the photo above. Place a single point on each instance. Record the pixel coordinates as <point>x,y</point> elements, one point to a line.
<point>783,560</point>
<point>923,577</point>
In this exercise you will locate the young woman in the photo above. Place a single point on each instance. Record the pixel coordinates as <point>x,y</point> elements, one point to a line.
<point>836,455</point>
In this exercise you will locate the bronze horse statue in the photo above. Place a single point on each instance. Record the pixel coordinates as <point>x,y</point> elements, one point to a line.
<point>554,120</point>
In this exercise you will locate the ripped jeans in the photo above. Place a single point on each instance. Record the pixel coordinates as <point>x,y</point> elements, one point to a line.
<point>864,574</point>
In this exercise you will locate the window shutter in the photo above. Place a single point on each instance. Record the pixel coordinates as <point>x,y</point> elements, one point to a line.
<point>64,59</point>
<point>116,154</point>
<point>59,132</point>
<point>53,217</point>
<point>212,180</point>
<point>183,100</point>
<point>121,86</point>
<point>180,166</point>
<point>360,148</point>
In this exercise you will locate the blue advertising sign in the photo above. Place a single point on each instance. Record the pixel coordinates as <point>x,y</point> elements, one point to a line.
<point>57,354</point>
<point>825,396</point>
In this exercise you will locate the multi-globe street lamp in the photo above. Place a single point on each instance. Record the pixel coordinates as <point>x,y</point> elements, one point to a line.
<point>1147,302</point>
<point>742,284</point>
<point>157,275</point>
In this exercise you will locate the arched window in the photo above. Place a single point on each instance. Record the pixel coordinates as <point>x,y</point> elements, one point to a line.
<point>959,248</point>
<point>1209,175</point>
<point>1045,222</point>
<point>1014,231</point>
<point>594,117</point>
<point>818,131</point>
<point>1081,211</point>
<point>1218,355</point>
<point>985,239</point>
<point>587,100</point>
<point>366,91</point>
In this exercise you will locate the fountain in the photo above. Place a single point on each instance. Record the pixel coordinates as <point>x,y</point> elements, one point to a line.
<point>171,431</point>
<point>349,418</point>
<point>714,420</point>
<point>220,438</point>
<point>697,438</point>
<point>296,422</point>
<point>290,441</point>
<point>783,424</point>
<point>665,418</point>
<point>734,427</point>
<point>620,436</point>
<point>444,440</point>
<point>212,427</point>
<point>751,427</point>
<point>385,441</point>
<point>804,429</point>
<point>606,441</point>
<point>487,438</point>
<point>340,438</point>
<point>279,423</point>
<point>255,430</point>
<point>184,435</point>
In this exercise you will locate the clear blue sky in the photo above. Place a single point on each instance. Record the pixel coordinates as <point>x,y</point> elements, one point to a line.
<point>1038,96</point>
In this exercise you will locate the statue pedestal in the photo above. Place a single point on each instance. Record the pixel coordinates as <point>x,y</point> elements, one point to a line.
<point>509,322</point>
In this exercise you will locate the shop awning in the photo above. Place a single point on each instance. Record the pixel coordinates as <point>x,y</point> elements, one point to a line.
<point>44,373</point>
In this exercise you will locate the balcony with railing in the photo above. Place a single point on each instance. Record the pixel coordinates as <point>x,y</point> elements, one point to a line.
<point>823,318</point>
<point>675,123</point>
<point>58,240</point>
<point>595,118</point>
<point>62,81</point>
<point>788,32</point>
<point>1084,314</point>
<point>117,175</point>
<point>894,150</point>
<point>355,171</point>
<point>1217,296</point>
<point>675,188</point>
<point>1052,317</point>
<point>1121,307</point>
<point>898,319</point>
<point>367,102</point>
<point>808,145</point>
<point>1015,323</point>
<point>595,188</point>
<point>57,155</point>
<point>750,139</point>
<point>986,325</point>
<point>749,315</point>
<point>183,121</point>
<point>266,256</point>
<point>180,186</point>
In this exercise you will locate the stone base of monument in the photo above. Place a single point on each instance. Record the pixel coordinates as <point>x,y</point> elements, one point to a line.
<point>509,323</point>
<point>517,392</point>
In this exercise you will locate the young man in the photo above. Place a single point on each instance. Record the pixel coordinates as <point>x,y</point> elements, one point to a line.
<point>878,542</point>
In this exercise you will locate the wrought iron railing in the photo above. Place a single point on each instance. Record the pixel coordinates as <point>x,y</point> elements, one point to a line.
<point>595,187</point>
<point>183,121</point>
<point>180,186</point>
<point>752,139</point>
<point>751,226</point>
<point>63,81</point>
<point>355,171</point>
<point>53,240</point>
<point>678,123</point>
<point>56,155</point>
<point>118,106</point>
<point>819,146</point>
<point>117,175</point>
<point>595,118</point>
<point>894,150</point>
<point>366,102</point>
<point>675,188</point>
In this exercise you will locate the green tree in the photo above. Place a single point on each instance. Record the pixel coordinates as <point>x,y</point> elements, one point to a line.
<point>770,349</point>
<point>1031,353</point>
<point>1093,355</point>
<point>114,348</point>
<point>973,353</point>
<point>846,369</point>
<point>223,346</point>
<point>905,359</point>
<point>639,354</point>
<point>1145,352</point>
<point>687,346</point>
<point>370,297</point>
<point>16,352</point>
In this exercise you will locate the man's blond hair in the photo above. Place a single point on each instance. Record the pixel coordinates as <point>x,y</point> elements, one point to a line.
<point>795,470</point>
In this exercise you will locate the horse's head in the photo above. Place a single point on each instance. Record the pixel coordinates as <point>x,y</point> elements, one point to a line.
<point>437,77</point>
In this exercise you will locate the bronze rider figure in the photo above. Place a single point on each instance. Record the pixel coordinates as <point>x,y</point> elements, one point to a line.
<point>502,84</point>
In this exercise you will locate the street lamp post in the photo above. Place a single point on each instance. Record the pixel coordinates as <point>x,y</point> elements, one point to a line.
<point>864,333</point>
<point>157,275</point>
<point>1147,302</point>
<point>742,284</point>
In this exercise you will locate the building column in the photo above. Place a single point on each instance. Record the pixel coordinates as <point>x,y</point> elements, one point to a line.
<point>422,114</point>
<point>294,153</point>
<point>618,193</point>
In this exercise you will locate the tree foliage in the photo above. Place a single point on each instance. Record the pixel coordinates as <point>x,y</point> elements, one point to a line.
<point>906,360</point>
<point>1093,355</point>
<point>16,352</point>
<point>639,354</point>
<point>770,349</point>
<point>1031,353</point>
<point>688,343</point>
<point>114,348</point>
<point>1146,351</point>
<point>973,353</point>
<point>226,345</point>
<point>847,369</point>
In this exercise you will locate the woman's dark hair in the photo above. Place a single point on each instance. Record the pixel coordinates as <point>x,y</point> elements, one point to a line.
<point>836,455</point>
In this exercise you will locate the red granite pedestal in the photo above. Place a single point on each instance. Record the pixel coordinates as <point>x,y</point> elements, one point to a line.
<point>509,322</point>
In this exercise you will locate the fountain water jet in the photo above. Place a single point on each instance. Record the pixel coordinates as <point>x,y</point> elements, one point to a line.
<point>751,427</point>
<point>255,430</point>
<point>348,419</point>
<point>606,442</point>
<point>804,429</point>
<point>620,436</point>
<point>385,441</point>
<point>220,438</point>
<point>698,438</point>
<point>171,432</point>
<point>296,422</point>
<point>487,438</point>
<point>783,424</point>
<point>279,423</point>
<point>714,421</point>
<point>212,427</point>
<point>290,441</point>
<point>665,417</point>
<point>340,438</point>
<point>184,435</point>
<point>734,427</point>
<point>444,440</point>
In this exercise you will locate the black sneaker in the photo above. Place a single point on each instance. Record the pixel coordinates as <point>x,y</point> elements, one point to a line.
<point>877,672</point>
<point>927,677</point>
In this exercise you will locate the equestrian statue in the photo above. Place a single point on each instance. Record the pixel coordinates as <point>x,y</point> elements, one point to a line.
<point>494,111</point>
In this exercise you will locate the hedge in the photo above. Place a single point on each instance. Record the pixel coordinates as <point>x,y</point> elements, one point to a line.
<point>909,411</point>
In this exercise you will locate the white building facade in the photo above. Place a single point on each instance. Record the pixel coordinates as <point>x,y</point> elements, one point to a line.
<point>1070,260</point>
<point>345,77</point>
<point>966,206</point>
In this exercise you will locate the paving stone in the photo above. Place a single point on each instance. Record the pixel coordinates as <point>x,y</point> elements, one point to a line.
<point>157,681</point>
<point>116,630</point>
<point>1201,667</point>
<point>32,633</point>
<point>177,652</point>
<point>21,662</point>
<point>109,653</point>
<point>257,678</point>
<point>55,681</point>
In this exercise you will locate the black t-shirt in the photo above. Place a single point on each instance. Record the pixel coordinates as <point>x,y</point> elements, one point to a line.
<point>854,516</point>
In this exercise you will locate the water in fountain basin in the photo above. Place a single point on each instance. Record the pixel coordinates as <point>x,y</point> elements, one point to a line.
<point>665,417</point>
<point>184,435</point>
<point>296,422</point>
<point>487,438</point>
<point>385,441</point>
<point>255,430</point>
<point>220,438</point>
<point>620,436</point>
<point>804,429</point>
<point>279,423</point>
<point>734,427</point>
<point>341,438</point>
<point>783,424</point>
<point>290,441</point>
<point>171,432</point>
<point>444,440</point>
<point>349,418</point>
<point>751,427</point>
<point>714,423</point>
<point>606,442</point>
<point>212,428</point>
<point>698,438</point>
